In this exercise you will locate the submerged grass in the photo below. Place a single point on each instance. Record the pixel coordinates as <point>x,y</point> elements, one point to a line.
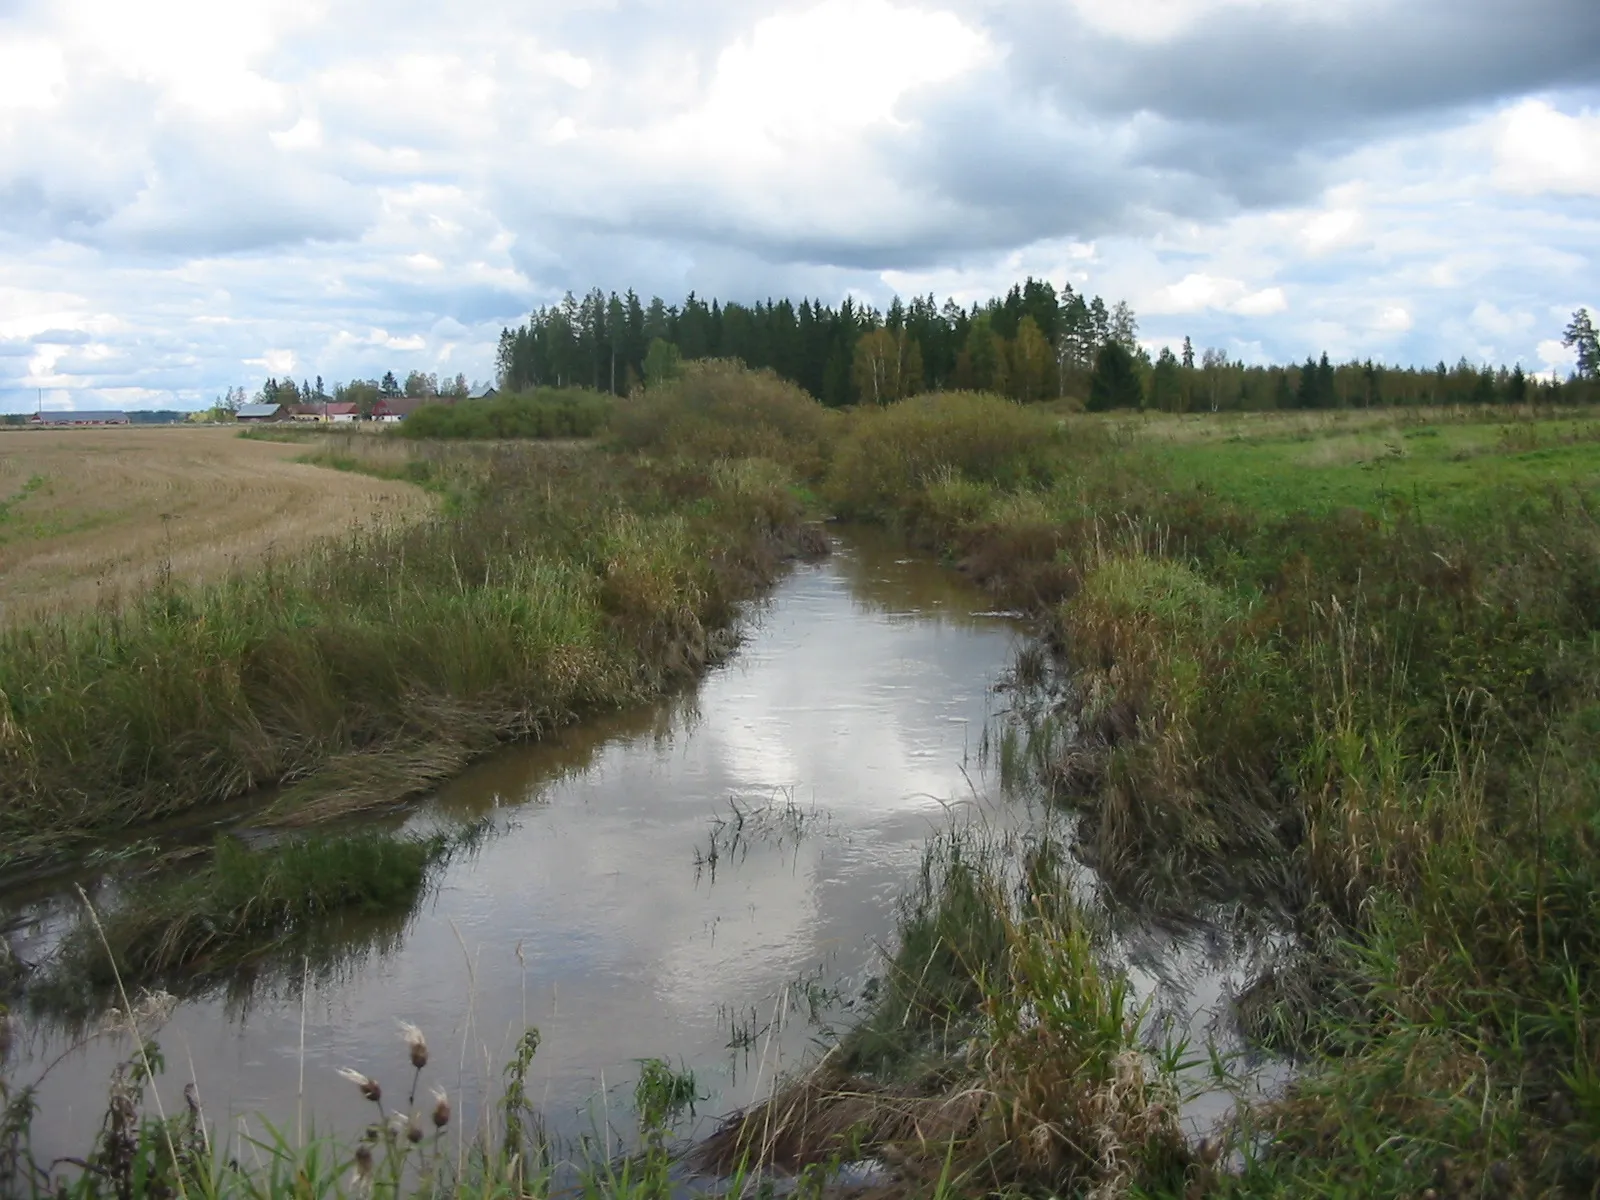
<point>179,932</point>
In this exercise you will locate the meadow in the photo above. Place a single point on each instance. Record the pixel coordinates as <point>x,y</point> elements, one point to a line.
<point>1339,673</point>
<point>93,517</point>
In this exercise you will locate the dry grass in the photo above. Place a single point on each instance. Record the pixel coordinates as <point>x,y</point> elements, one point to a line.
<point>90,516</point>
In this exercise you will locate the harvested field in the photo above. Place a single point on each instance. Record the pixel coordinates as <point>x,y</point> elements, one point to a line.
<point>88,516</point>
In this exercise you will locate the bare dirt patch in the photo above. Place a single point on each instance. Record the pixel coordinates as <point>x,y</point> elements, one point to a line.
<point>90,516</point>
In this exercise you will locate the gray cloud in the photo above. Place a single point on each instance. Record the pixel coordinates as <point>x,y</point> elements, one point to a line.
<point>374,188</point>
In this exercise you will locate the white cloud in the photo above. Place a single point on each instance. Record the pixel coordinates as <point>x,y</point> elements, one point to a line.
<point>1393,319</point>
<point>1556,357</point>
<point>1541,149</point>
<point>1197,292</point>
<point>1161,20</point>
<point>1333,230</point>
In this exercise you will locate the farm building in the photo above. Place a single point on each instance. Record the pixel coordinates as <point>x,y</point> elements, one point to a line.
<point>398,408</point>
<point>486,392</point>
<point>341,412</point>
<point>79,417</point>
<point>256,413</point>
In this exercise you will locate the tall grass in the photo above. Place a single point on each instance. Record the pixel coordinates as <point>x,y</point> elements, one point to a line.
<point>1380,727</point>
<point>560,584</point>
<point>176,932</point>
<point>998,1057</point>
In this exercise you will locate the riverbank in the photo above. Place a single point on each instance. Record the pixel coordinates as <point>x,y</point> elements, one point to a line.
<point>1373,718</point>
<point>559,584</point>
<point>1368,718</point>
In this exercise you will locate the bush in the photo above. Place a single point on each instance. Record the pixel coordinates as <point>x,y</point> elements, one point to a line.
<point>542,413</point>
<point>892,454</point>
<point>721,409</point>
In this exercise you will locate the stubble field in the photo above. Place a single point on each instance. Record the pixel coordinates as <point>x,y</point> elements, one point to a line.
<point>89,516</point>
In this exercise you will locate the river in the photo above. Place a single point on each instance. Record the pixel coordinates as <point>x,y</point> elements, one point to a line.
<point>620,907</point>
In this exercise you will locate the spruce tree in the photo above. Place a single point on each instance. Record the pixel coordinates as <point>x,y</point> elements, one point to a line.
<point>1115,382</point>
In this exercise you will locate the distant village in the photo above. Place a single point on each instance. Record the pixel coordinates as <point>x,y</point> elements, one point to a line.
<point>387,402</point>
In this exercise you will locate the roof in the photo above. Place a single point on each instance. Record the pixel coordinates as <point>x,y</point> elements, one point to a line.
<point>482,393</point>
<point>81,416</point>
<point>404,406</point>
<point>342,408</point>
<point>258,410</point>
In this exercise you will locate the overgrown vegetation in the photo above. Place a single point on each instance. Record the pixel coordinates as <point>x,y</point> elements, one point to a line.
<point>1375,718</point>
<point>376,664</point>
<point>538,413</point>
<point>1301,681</point>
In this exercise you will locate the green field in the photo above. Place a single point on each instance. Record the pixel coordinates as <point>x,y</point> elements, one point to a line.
<point>1439,470</point>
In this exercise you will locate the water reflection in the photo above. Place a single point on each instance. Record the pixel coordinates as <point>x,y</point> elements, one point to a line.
<point>858,698</point>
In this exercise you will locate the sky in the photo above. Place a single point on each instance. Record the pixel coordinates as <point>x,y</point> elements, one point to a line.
<point>194,195</point>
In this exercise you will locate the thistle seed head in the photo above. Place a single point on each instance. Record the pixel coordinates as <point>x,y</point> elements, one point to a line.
<point>416,1043</point>
<point>441,1109</point>
<point>369,1087</point>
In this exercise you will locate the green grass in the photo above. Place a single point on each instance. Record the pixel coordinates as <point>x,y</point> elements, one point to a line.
<point>1347,674</point>
<point>1439,472</point>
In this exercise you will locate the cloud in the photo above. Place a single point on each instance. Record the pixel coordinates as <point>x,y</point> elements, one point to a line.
<point>183,185</point>
<point>1541,149</point>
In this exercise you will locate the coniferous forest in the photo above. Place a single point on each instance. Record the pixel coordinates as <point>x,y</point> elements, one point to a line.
<point>1037,342</point>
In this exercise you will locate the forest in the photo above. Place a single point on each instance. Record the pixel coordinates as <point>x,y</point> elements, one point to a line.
<point>1035,343</point>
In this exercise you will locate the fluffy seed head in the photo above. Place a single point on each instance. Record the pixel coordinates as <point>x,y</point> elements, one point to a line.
<point>413,1131</point>
<point>369,1087</point>
<point>363,1161</point>
<point>441,1109</point>
<point>416,1043</point>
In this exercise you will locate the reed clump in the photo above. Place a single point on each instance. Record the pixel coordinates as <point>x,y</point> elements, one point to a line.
<point>999,1056</point>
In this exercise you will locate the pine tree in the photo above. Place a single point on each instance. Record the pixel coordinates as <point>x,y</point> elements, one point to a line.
<point>1188,353</point>
<point>1580,336</point>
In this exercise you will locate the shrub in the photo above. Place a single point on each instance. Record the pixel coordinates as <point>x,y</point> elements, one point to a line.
<point>542,413</point>
<point>721,409</point>
<point>890,455</point>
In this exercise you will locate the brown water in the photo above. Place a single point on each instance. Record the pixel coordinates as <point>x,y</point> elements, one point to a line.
<point>844,727</point>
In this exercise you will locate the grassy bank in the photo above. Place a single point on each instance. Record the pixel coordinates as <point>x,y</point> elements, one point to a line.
<point>1346,675</point>
<point>372,665</point>
<point>1376,719</point>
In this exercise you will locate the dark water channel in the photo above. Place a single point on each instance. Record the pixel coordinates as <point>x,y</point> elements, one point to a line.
<point>621,907</point>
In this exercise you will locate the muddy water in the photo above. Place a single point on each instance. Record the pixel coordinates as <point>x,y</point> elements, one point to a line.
<point>622,908</point>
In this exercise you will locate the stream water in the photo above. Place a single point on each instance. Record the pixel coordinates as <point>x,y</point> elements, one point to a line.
<point>621,907</point>
<point>707,880</point>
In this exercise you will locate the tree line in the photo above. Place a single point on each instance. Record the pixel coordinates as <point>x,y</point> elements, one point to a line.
<point>1036,342</point>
